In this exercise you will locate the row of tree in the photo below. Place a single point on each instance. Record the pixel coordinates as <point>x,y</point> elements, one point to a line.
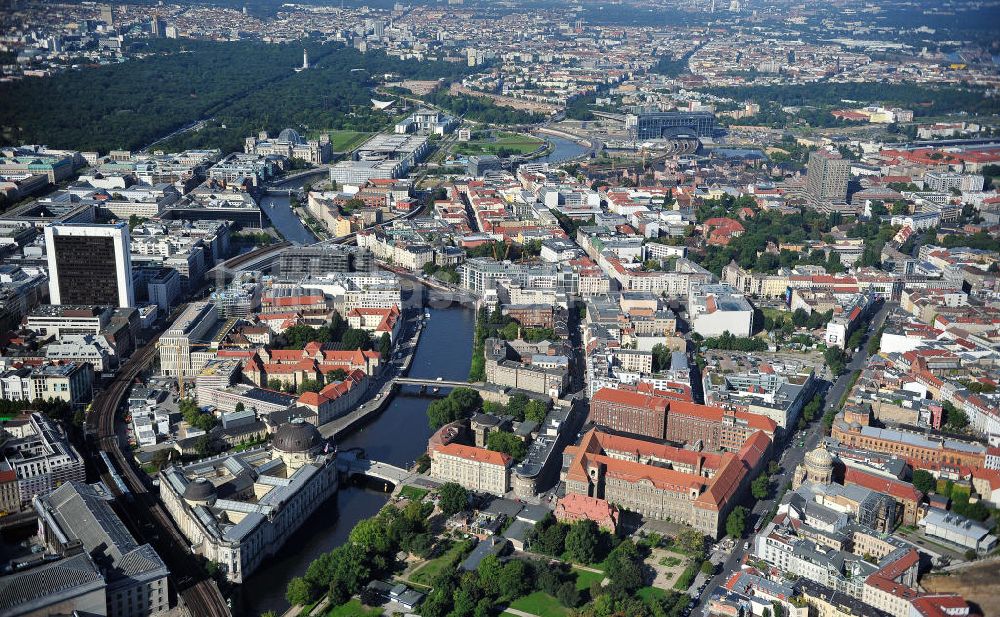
<point>460,403</point>
<point>368,553</point>
<point>519,407</point>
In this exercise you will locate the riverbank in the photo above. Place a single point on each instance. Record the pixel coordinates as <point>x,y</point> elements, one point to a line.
<point>397,435</point>
<point>399,366</point>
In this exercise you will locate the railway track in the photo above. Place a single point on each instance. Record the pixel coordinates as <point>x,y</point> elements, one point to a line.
<point>142,510</point>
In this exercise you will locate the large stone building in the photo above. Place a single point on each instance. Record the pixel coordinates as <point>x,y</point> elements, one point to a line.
<point>475,468</point>
<point>660,481</point>
<point>291,145</point>
<point>852,428</point>
<point>238,509</point>
<point>654,414</point>
<point>135,576</point>
<point>505,368</point>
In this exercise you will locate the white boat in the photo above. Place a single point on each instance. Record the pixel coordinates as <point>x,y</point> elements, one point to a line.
<point>427,314</point>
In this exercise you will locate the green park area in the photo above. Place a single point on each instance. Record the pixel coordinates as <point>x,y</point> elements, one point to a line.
<point>500,143</point>
<point>544,604</point>
<point>353,608</point>
<point>345,141</point>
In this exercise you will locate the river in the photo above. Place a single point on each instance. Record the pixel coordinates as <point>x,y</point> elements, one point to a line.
<point>445,350</point>
<point>278,209</point>
<point>562,149</point>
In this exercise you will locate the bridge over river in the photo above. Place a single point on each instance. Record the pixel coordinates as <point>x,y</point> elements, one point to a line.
<point>351,465</point>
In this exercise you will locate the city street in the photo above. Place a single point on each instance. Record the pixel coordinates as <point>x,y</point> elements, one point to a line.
<point>789,460</point>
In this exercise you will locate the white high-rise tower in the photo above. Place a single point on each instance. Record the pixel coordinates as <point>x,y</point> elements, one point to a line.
<point>305,59</point>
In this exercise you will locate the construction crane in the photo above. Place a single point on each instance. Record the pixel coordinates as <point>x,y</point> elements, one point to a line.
<point>178,363</point>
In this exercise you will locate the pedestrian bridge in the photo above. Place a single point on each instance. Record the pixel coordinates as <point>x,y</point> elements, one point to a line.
<point>378,470</point>
<point>410,381</point>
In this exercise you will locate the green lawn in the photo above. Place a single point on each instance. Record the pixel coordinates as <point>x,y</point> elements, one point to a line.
<point>515,142</point>
<point>342,141</point>
<point>413,493</point>
<point>687,576</point>
<point>541,604</point>
<point>426,573</point>
<point>776,315</point>
<point>354,608</point>
<point>584,578</point>
<point>650,594</point>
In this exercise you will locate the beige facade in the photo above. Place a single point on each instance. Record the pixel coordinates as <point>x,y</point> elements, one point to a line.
<point>476,469</point>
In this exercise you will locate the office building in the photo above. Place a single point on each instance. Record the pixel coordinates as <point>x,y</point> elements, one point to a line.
<point>89,265</point>
<point>191,331</point>
<point>668,124</point>
<point>40,455</point>
<point>826,179</point>
<point>716,309</point>
<point>297,262</point>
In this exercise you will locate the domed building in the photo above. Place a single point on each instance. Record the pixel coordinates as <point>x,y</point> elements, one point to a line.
<point>297,443</point>
<point>201,492</point>
<point>239,508</point>
<point>289,136</point>
<point>816,467</point>
<point>290,145</point>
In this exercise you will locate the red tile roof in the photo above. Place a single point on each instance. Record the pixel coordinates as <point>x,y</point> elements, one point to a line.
<point>475,454</point>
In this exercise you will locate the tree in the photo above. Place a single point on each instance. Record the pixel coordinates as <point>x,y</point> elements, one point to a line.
<point>356,339</point>
<point>924,481</point>
<point>707,568</point>
<point>336,375</point>
<point>510,331</point>
<point>161,457</point>
<point>467,399</point>
<point>443,412</point>
<point>299,591</point>
<point>516,579</point>
<point>624,568</point>
<point>385,345</point>
<point>691,541</point>
<point>239,407</point>
<point>568,595</point>
<point>203,445</point>
<point>309,385</point>
<point>535,411</point>
<point>371,535</point>
<point>661,357</point>
<point>800,317</point>
<point>508,443</point>
<point>517,406</point>
<point>759,486</point>
<point>490,570</point>
<point>351,569</point>
<point>954,418</point>
<point>549,537</point>
<point>737,522</point>
<point>582,541</point>
<point>454,498</point>
<point>275,384</point>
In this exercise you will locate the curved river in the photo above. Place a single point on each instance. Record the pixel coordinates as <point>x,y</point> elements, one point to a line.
<point>398,436</point>
<point>562,149</point>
